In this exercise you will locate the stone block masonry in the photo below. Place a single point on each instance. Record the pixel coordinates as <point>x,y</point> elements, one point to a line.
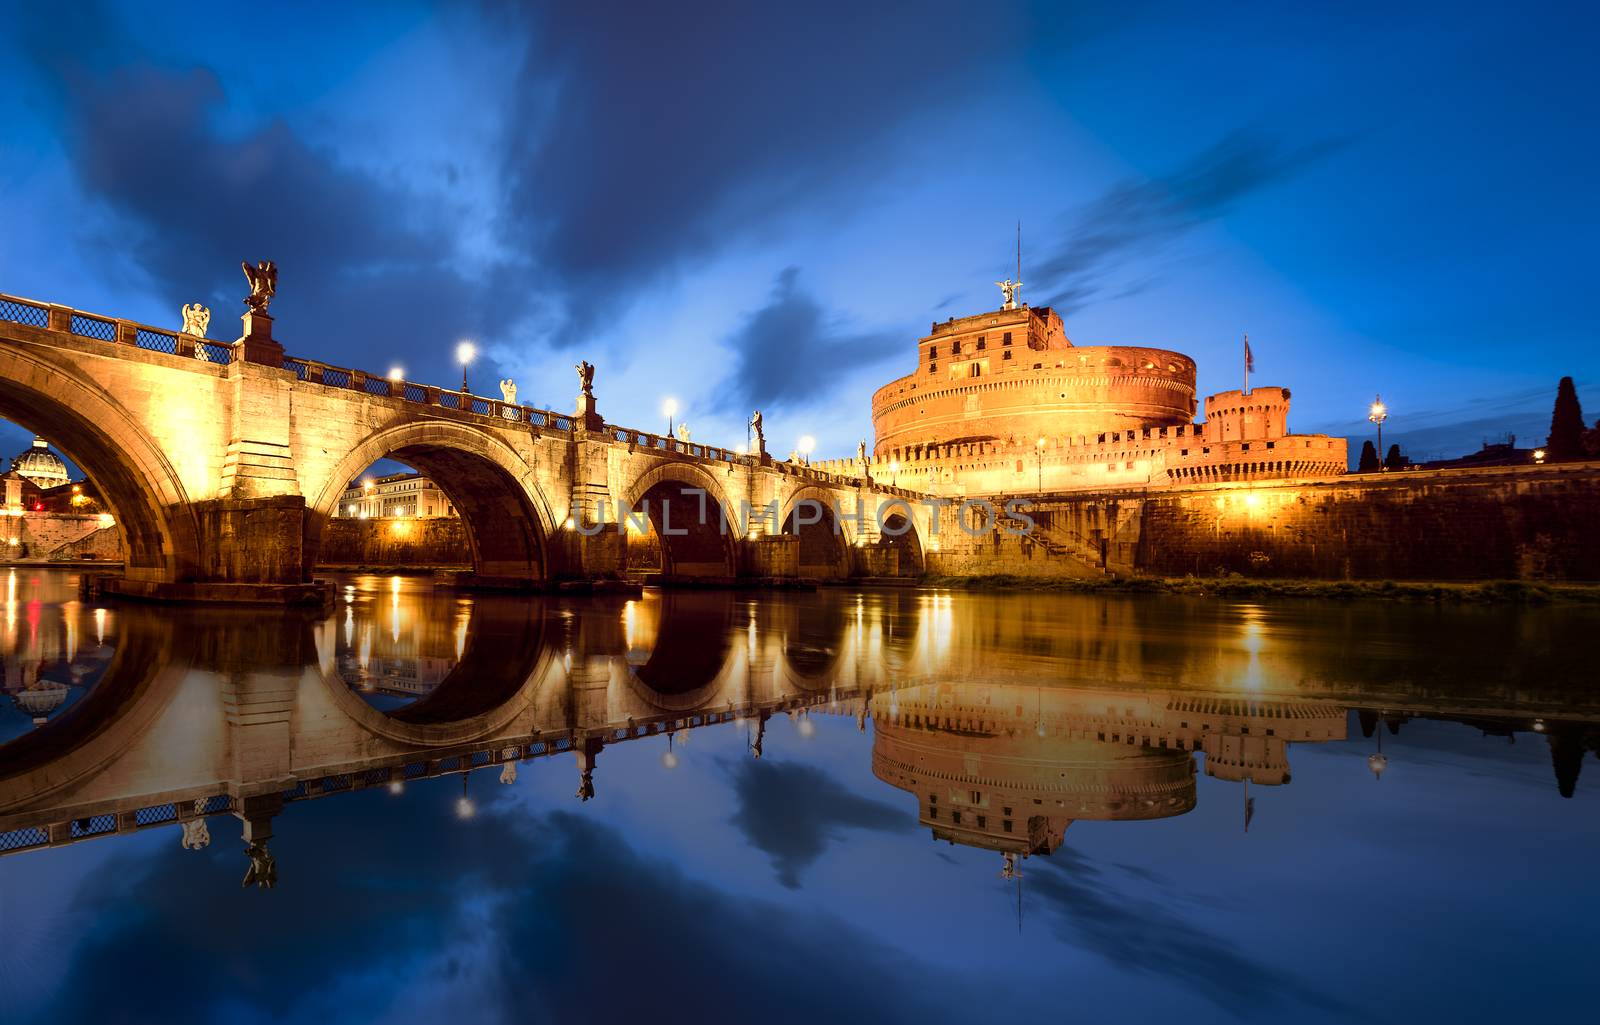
<point>1512,523</point>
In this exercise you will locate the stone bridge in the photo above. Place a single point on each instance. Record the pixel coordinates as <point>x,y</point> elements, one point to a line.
<point>222,462</point>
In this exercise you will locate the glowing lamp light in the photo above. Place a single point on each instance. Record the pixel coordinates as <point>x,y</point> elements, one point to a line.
<point>397,374</point>
<point>1252,500</point>
<point>807,443</point>
<point>466,352</point>
<point>669,407</point>
<point>465,809</point>
<point>1378,412</point>
<point>396,787</point>
<point>1538,455</point>
<point>1040,442</point>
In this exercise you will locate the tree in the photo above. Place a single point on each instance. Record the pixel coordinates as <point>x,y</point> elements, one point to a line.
<point>1394,460</point>
<point>1565,443</point>
<point>1369,459</point>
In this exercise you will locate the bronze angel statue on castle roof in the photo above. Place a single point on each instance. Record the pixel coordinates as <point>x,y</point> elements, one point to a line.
<point>263,280</point>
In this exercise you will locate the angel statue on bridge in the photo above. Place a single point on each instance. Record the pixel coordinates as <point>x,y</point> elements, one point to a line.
<point>585,371</point>
<point>196,319</point>
<point>263,278</point>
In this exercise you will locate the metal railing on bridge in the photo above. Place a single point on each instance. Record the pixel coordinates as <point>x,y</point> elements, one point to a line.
<point>18,310</point>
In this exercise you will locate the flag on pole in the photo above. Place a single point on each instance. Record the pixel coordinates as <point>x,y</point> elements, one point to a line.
<point>1249,357</point>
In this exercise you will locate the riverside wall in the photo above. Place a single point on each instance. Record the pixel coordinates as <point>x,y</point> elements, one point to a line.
<point>1515,523</point>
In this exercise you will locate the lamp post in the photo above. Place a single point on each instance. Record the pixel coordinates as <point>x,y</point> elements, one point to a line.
<point>466,352</point>
<point>670,408</point>
<point>1039,453</point>
<point>894,473</point>
<point>1378,414</point>
<point>807,443</point>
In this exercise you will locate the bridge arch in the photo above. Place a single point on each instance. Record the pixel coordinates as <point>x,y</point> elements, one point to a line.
<point>707,549</point>
<point>507,518</point>
<point>160,535</point>
<point>824,546</point>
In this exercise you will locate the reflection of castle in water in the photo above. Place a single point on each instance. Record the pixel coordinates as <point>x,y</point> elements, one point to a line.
<point>1009,767</point>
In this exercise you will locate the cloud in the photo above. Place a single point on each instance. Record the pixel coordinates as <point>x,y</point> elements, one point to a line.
<point>1137,218</point>
<point>1141,933</point>
<point>792,812</point>
<point>653,135</point>
<point>517,910</point>
<point>790,350</point>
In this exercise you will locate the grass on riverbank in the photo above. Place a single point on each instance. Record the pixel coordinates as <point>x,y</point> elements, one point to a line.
<point>1480,593</point>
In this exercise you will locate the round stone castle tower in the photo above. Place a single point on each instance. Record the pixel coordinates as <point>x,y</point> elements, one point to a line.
<point>1013,375</point>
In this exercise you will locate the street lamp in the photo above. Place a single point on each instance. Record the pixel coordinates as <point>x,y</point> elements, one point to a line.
<point>1538,455</point>
<point>1040,453</point>
<point>670,408</point>
<point>397,374</point>
<point>1378,414</point>
<point>807,443</point>
<point>894,473</point>
<point>466,352</point>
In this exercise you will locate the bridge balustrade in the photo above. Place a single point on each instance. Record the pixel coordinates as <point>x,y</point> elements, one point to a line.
<point>106,329</point>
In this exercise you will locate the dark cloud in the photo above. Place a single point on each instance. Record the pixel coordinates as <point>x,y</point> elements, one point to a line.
<point>1133,221</point>
<point>792,812</point>
<point>508,912</point>
<point>649,135</point>
<point>792,330</point>
<point>1140,931</point>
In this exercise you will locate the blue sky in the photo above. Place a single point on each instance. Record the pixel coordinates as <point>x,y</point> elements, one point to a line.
<point>765,205</point>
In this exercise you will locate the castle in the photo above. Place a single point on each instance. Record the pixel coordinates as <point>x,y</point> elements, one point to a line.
<point>1004,403</point>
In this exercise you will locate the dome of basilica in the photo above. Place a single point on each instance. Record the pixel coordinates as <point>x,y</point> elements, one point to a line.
<point>40,465</point>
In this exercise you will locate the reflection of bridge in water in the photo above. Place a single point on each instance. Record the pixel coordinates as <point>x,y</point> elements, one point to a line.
<point>1096,715</point>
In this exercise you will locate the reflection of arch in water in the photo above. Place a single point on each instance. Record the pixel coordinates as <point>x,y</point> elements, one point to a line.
<point>813,637</point>
<point>148,663</point>
<point>704,550</point>
<point>509,650</point>
<point>693,651</point>
<point>506,517</point>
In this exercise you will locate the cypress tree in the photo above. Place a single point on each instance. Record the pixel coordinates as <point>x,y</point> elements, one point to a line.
<point>1369,459</point>
<point>1393,460</point>
<point>1565,443</point>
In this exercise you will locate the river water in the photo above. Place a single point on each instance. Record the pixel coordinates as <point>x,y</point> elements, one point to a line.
<point>884,805</point>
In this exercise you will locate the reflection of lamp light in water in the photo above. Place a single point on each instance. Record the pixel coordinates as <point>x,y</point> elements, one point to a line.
<point>464,806</point>
<point>805,727</point>
<point>99,626</point>
<point>396,786</point>
<point>1376,761</point>
<point>669,759</point>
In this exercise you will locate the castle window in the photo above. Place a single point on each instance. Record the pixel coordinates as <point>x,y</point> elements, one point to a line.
<point>983,822</point>
<point>1185,452</point>
<point>933,811</point>
<point>933,352</point>
<point>1007,355</point>
<point>933,368</point>
<point>955,817</point>
<point>1038,366</point>
<point>1247,446</point>
<point>975,370</point>
<point>955,348</point>
<point>1272,444</point>
<point>981,343</point>
<point>1005,824</point>
<point>1019,466</point>
<point>1006,339</point>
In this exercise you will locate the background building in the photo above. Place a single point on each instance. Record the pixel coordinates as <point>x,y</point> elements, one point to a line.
<point>398,494</point>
